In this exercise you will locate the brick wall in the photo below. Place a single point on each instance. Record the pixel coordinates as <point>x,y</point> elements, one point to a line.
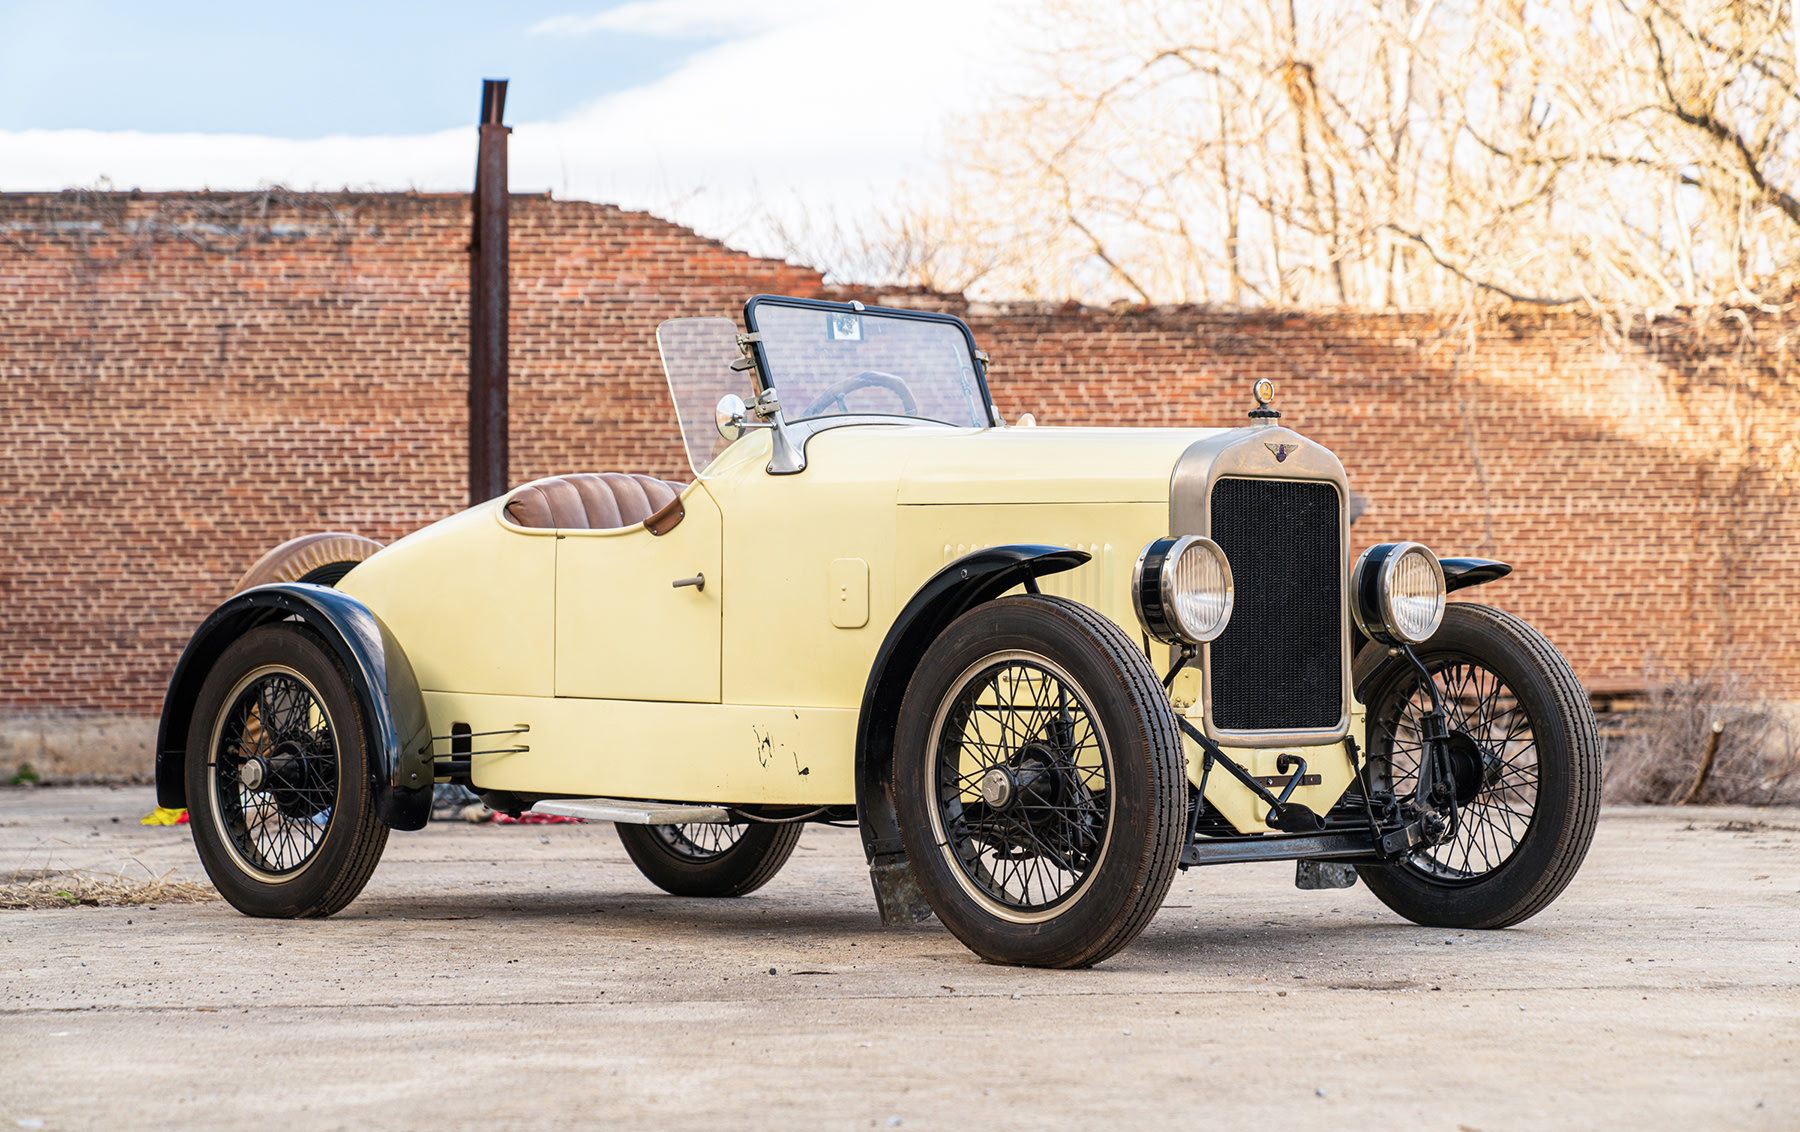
<point>186,380</point>
<point>1642,488</point>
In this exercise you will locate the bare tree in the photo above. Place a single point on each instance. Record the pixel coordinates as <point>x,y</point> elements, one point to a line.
<point>1386,153</point>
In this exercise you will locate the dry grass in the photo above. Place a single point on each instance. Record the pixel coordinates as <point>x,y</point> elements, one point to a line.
<point>74,888</point>
<point>1656,758</point>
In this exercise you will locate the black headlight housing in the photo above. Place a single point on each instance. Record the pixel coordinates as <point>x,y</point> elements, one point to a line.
<point>1397,593</point>
<point>1182,590</point>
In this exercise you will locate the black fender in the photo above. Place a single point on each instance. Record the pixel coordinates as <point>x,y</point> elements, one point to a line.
<point>977,577</point>
<point>1461,573</point>
<point>397,732</point>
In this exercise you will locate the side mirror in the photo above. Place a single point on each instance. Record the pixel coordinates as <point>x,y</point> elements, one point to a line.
<point>732,416</point>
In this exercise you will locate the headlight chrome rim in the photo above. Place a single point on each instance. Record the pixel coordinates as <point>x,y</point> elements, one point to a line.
<point>1168,613</point>
<point>1399,594</point>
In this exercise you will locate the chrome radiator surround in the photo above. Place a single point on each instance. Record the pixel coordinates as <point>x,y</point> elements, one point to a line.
<point>1264,452</point>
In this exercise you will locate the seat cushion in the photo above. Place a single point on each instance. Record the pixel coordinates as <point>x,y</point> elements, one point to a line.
<point>590,502</point>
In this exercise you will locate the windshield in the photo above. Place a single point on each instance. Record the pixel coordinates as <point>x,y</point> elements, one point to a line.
<point>828,360</point>
<point>697,354</point>
<point>825,360</point>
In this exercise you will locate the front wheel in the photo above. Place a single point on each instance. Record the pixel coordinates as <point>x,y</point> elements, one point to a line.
<point>278,778</point>
<point>1040,783</point>
<point>710,860</point>
<point>1525,756</point>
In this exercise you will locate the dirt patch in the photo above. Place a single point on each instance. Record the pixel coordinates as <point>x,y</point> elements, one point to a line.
<point>75,888</point>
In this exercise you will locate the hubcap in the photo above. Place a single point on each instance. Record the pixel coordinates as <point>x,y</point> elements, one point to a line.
<point>997,788</point>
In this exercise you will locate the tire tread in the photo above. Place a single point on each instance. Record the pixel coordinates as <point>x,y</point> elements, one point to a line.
<point>724,876</point>
<point>1572,722</point>
<point>1159,869</point>
<point>1137,895</point>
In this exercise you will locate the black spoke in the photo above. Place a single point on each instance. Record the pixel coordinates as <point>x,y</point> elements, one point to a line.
<point>276,773</point>
<point>700,842</point>
<point>1480,705</point>
<point>1035,848</point>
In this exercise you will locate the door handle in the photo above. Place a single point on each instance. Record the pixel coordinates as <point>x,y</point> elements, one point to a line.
<point>698,581</point>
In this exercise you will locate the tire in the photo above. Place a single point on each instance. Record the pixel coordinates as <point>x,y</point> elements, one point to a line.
<point>278,778</point>
<point>1041,836</point>
<point>710,860</point>
<point>322,559</point>
<point>1527,809</point>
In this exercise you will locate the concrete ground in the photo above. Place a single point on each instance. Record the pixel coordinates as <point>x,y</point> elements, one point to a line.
<point>527,976</point>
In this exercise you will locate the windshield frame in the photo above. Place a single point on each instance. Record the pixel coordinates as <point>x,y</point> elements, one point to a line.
<point>977,359</point>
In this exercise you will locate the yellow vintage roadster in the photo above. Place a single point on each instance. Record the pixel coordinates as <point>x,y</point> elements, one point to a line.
<point>1041,669</point>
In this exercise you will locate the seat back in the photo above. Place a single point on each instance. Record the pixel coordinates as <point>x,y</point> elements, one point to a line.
<point>590,502</point>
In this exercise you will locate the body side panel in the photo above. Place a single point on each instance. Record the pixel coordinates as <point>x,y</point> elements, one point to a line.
<point>667,751</point>
<point>471,600</point>
<point>623,631</point>
<point>780,643</point>
<point>1112,533</point>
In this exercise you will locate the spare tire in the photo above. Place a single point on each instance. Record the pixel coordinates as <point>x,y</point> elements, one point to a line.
<point>322,559</point>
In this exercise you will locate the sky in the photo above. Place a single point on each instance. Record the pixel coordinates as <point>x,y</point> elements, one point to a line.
<point>719,114</point>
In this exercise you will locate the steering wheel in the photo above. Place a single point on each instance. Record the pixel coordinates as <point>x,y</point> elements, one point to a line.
<point>867,379</point>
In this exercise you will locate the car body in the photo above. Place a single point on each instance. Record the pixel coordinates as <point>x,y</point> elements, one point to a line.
<point>747,647</point>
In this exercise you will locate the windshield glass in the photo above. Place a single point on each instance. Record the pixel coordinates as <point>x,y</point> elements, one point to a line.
<point>697,354</point>
<point>829,361</point>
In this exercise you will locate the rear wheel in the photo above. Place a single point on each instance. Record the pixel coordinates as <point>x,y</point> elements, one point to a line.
<point>1525,758</point>
<point>1040,783</point>
<point>710,860</point>
<point>278,778</point>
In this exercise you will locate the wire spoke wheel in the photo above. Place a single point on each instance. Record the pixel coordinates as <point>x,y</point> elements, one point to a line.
<point>1020,782</point>
<point>702,859</point>
<point>1524,771</point>
<point>284,815</point>
<point>1039,783</point>
<point>273,772</point>
<point>699,842</point>
<point>1494,757</point>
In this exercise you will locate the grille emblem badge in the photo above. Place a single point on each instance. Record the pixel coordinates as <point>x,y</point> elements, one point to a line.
<point>1281,451</point>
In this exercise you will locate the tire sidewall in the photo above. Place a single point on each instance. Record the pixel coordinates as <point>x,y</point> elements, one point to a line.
<point>1125,869</point>
<point>751,862</point>
<point>1476,633</point>
<point>312,890</point>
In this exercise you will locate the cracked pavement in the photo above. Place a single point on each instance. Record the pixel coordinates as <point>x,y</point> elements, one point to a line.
<point>528,976</point>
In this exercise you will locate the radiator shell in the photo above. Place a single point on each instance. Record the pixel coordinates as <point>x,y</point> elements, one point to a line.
<point>1280,674</point>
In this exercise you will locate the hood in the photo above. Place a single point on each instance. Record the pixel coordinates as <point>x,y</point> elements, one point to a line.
<point>1038,465</point>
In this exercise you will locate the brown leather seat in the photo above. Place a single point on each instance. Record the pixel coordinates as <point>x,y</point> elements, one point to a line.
<point>590,502</point>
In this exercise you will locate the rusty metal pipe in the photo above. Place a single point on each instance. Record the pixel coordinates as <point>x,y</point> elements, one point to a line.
<point>489,303</point>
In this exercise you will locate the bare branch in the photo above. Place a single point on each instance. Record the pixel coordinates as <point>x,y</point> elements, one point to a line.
<point>1479,284</point>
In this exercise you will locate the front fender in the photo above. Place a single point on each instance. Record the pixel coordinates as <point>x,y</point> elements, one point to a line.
<point>1461,573</point>
<point>396,729</point>
<point>965,583</point>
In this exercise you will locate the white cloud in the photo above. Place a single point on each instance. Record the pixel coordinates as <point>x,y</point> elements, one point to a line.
<point>816,109</point>
<point>682,19</point>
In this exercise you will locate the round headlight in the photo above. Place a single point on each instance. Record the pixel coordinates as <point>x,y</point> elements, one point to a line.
<point>1398,591</point>
<point>1181,588</point>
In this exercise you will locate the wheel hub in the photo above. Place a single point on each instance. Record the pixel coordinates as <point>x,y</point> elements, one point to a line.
<point>997,788</point>
<point>286,776</point>
<point>253,773</point>
<point>1470,769</point>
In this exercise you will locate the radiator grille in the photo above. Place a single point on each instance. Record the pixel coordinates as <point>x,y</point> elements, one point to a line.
<point>1279,664</point>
